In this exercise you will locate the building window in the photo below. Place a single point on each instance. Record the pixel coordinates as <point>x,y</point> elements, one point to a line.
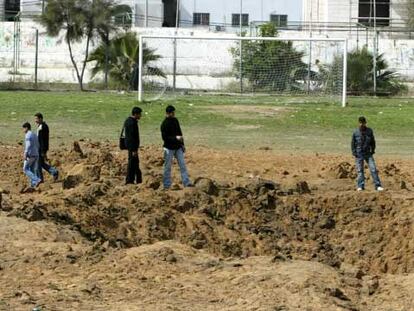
<point>11,9</point>
<point>235,19</point>
<point>201,19</point>
<point>366,12</point>
<point>279,20</point>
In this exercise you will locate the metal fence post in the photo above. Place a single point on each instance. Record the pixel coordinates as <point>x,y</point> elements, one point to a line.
<point>36,57</point>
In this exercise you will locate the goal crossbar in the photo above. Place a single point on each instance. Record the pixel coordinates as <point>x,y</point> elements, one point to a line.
<point>239,38</point>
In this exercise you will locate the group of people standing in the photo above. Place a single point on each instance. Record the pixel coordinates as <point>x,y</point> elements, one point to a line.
<point>37,145</point>
<point>173,147</point>
<point>35,152</point>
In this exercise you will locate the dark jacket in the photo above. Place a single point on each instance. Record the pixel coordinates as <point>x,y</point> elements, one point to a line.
<point>170,129</point>
<point>363,143</point>
<point>43,136</point>
<point>131,134</point>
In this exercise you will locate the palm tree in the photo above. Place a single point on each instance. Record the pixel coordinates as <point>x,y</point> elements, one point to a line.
<point>79,19</point>
<point>360,75</point>
<point>123,60</point>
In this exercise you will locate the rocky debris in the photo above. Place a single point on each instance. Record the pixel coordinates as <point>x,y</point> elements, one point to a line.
<point>77,150</point>
<point>167,254</point>
<point>351,271</point>
<point>403,185</point>
<point>184,206</point>
<point>71,181</point>
<point>337,293</point>
<point>391,170</point>
<point>303,187</point>
<point>35,214</point>
<point>153,181</point>
<point>262,185</point>
<point>344,170</point>
<point>370,285</point>
<point>92,289</point>
<point>327,223</point>
<point>279,258</point>
<point>206,185</point>
<point>80,173</point>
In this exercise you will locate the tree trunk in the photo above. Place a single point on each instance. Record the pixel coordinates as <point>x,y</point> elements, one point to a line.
<point>106,40</point>
<point>86,57</point>
<point>74,64</point>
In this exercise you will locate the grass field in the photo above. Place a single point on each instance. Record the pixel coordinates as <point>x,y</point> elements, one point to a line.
<point>281,123</point>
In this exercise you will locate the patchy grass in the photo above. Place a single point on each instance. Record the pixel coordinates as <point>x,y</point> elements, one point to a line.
<point>281,123</point>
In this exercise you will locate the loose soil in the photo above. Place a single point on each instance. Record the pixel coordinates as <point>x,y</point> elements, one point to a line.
<point>259,231</point>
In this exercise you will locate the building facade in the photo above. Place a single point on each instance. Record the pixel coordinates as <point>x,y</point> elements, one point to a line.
<point>191,13</point>
<point>227,13</point>
<point>331,13</point>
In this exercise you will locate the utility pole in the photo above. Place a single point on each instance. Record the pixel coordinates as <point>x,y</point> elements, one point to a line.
<point>146,13</point>
<point>177,24</point>
<point>241,46</point>
<point>36,57</point>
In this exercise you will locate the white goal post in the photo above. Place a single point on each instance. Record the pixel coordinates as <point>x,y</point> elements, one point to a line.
<point>242,65</point>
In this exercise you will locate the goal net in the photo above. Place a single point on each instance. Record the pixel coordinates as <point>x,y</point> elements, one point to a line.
<point>180,66</point>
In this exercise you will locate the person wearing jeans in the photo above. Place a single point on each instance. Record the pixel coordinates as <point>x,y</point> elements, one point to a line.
<point>31,155</point>
<point>43,136</point>
<point>363,149</point>
<point>173,148</point>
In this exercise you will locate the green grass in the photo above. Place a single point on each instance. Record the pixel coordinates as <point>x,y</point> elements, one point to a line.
<point>282,123</point>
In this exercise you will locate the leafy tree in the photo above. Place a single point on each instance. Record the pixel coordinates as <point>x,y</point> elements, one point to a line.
<point>123,60</point>
<point>360,74</point>
<point>270,65</point>
<point>79,19</point>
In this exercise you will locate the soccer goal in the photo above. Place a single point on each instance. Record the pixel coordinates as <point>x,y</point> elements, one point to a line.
<point>292,67</point>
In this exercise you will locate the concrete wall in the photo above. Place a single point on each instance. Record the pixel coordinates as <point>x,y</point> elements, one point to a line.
<point>200,64</point>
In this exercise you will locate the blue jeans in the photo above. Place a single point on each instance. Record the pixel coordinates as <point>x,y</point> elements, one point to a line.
<point>373,169</point>
<point>30,168</point>
<point>168,160</point>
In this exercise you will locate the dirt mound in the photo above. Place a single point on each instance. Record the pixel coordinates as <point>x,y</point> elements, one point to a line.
<point>258,218</point>
<point>306,215</point>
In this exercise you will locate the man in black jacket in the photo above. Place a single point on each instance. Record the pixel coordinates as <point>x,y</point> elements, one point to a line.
<point>363,148</point>
<point>132,144</point>
<point>43,136</point>
<point>173,147</point>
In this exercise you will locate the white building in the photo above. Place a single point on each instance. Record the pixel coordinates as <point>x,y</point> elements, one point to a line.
<point>389,13</point>
<point>163,13</point>
<point>227,13</point>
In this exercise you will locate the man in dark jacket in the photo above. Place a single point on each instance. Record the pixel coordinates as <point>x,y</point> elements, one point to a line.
<point>132,144</point>
<point>43,136</point>
<point>173,147</point>
<point>363,149</point>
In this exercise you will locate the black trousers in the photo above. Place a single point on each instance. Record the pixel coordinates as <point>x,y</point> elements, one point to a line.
<point>43,165</point>
<point>133,173</point>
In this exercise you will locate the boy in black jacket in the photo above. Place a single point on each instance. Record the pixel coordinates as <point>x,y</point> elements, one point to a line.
<point>43,136</point>
<point>173,147</point>
<point>132,144</point>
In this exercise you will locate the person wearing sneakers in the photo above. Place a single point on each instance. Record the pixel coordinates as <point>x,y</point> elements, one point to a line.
<point>363,149</point>
<point>31,155</point>
<point>173,147</point>
<point>43,136</point>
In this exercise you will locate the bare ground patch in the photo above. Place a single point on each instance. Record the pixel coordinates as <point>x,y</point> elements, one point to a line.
<point>249,112</point>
